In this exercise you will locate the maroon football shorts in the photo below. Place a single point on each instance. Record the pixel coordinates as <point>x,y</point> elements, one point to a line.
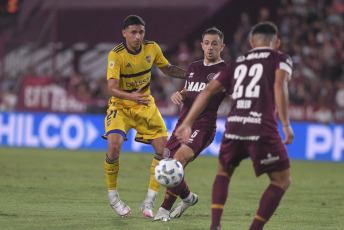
<point>199,140</point>
<point>268,154</point>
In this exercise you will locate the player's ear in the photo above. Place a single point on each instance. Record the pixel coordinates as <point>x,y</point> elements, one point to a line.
<point>124,33</point>
<point>278,43</point>
<point>222,46</point>
<point>252,43</point>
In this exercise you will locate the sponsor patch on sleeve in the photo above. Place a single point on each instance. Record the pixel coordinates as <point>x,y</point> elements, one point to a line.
<point>111,64</point>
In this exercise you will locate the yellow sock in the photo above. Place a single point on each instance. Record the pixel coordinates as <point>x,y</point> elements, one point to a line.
<point>111,171</point>
<point>153,184</point>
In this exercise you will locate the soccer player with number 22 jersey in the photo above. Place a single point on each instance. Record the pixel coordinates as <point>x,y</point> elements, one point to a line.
<point>258,83</point>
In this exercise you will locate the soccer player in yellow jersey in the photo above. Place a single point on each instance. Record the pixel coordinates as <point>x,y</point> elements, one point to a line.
<point>132,106</point>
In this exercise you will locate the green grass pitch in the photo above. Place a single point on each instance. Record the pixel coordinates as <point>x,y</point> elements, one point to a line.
<point>60,189</point>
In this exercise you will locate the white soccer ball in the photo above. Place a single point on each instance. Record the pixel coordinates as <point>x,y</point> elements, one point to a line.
<point>169,173</point>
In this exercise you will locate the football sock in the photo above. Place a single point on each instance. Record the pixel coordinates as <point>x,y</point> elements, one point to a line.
<point>153,184</point>
<point>172,194</point>
<point>111,171</point>
<point>267,205</point>
<point>219,197</point>
<point>113,194</point>
<point>169,200</point>
<point>151,195</point>
<point>184,191</point>
<point>188,199</point>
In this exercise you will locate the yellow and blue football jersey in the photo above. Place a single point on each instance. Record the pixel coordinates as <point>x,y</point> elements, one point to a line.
<point>133,69</point>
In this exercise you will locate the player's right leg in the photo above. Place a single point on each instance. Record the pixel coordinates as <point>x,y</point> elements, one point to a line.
<point>271,150</point>
<point>115,142</point>
<point>279,183</point>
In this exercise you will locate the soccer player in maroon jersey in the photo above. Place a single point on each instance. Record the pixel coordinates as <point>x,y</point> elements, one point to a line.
<point>199,74</point>
<point>258,83</point>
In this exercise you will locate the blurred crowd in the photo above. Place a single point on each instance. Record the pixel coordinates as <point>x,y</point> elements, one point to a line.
<point>311,32</point>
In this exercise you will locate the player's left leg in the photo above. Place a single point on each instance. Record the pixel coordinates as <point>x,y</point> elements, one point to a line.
<point>184,155</point>
<point>148,204</point>
<point>279,183</point>
<point>219,195</point>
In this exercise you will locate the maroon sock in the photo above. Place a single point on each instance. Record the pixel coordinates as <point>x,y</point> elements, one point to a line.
<point>172,194</point>
<point>219,197</point>
<point>184,191</point>
<point>267,206</point>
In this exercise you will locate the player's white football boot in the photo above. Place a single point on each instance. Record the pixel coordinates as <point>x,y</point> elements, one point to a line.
<point>162,215</point>
<point>147,208</point>
<point>119,207</point>
<point>177,211</point>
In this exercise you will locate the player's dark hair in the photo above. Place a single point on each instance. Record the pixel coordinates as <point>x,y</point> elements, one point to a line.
<point>133,20</point>
<point>213,30</point>
<point>266,28</point>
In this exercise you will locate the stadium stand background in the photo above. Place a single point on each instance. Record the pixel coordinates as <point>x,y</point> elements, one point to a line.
<point>55,51</point>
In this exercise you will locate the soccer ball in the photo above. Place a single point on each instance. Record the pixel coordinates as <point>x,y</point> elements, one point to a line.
<point>169,173</point>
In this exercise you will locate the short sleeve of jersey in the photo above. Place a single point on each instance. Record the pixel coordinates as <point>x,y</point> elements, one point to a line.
<point>113,66</point>
<point>224,78</point>
<point>160,60</point>
<point>285,63</point>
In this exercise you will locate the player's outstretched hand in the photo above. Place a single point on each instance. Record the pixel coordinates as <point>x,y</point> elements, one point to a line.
<point>177,98</point>
<point>183,133</point>
<point>289,135</point>
<point>140,98</point>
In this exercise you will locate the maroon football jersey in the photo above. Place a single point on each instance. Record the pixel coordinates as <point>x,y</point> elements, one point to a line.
<point>199,76</point>
<point>250,80</point>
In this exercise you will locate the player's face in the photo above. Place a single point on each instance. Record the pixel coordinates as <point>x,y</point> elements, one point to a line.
<point>134,35</point>
<point>212,47</point>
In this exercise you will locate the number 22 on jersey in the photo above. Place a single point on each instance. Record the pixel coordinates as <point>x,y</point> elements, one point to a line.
<point>252,89</point>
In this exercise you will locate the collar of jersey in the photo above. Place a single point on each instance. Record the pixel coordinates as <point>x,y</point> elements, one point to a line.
<point>262,48</point>
<point>213,63</point>
<point>129,51</point>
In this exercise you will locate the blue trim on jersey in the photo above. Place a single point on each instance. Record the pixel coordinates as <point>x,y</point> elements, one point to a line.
<point>133,90</point>
<point>117,131</point>
<point>131,52</point>
<point>135,74</point>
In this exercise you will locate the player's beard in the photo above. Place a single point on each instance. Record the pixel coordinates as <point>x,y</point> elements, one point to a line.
<point>211,59</point>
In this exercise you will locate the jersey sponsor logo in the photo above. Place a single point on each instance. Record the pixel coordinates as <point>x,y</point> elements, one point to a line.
<point>211,76</point>
<point>196,86</point>
<point>241,138</point>
<point>255,114</point>
<point>193,136</point>
<point>137,83</point>
<point>129,65</point>
<point>111,64</point>
<point>166,153</point>
<point>148,58</point>
<point>244,120</point>
<point>269,160</point>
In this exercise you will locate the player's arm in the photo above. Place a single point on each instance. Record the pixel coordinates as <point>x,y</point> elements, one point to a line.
<point>136,96</point>
<point>184,130</point>
<point>178,97</point>
<point>173,71</point>
<point>282,101</point>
